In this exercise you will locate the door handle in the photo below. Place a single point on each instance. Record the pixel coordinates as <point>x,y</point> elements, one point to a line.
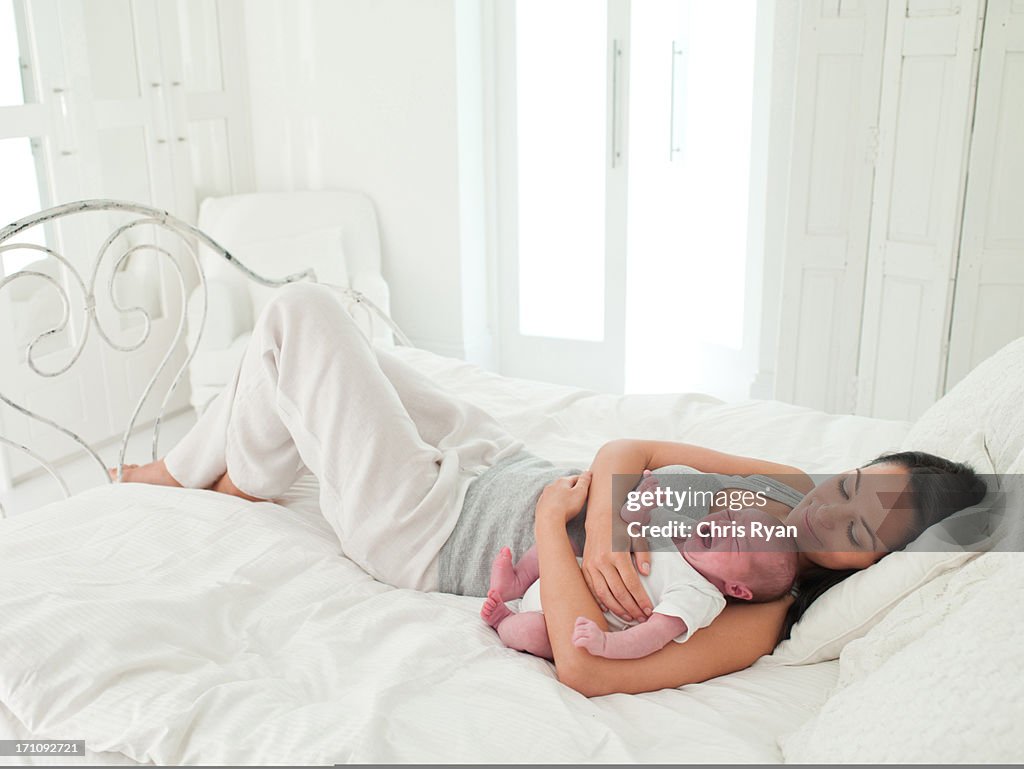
<point>616,93</point>
<point>675,144</point>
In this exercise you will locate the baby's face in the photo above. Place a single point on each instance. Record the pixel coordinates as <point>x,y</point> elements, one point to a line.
<point>724,556</point>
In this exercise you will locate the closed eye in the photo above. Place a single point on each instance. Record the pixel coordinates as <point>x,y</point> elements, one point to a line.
<point>842,487</point>
<point>849,533</point>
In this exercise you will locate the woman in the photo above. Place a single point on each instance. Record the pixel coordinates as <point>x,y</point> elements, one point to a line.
<point>845,523</point>
<point>396,458</point>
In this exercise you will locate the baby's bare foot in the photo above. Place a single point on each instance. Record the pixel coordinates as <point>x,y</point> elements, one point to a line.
<point>512,581</point>
<point>503,576</point>
<point>588,635</point>
<point>494,611</point>
<point>154,473</point>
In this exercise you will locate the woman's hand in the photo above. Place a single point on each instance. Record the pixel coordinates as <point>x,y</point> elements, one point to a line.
<point>608,568</point>
<point>562,499</point>
<point>612,577</point>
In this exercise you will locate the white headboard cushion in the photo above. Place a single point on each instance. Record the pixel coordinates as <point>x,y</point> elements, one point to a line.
<point>236,220</point>
<point>257,227</point>
<point>268,215</point>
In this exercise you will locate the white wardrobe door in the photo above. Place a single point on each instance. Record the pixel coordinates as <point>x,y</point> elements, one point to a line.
<point>923,135</point>
<point>989,305</point>
<point>830,199</point>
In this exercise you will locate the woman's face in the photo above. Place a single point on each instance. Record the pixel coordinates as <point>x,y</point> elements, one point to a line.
<point>851,520</point>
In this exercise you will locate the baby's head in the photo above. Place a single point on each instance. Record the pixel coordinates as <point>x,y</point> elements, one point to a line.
<point>745,554</point>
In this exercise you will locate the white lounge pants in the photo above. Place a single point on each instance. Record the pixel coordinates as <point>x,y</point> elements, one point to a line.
<point>393,453</point>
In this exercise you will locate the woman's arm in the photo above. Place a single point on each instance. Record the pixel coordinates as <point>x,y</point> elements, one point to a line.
<point>735,640</point>
<point>636,455</point>
<point>610,574</point>
<point>738,636</point>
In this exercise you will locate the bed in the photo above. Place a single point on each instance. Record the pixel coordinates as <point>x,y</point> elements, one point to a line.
<point>175,626</point>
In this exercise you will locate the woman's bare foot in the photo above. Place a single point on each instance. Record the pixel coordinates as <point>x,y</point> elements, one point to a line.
<point>226,486</point>
<point>154,473</point>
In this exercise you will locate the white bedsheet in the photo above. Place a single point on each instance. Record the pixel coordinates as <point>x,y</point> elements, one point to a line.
<point>567,424</point>
<point>180,626</point>
<point>12,729</point>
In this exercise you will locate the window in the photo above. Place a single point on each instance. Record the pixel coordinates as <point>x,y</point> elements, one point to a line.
<point>560,126</point>
<point>625,193</point>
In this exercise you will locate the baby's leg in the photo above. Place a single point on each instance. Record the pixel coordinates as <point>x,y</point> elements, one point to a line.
<point>511,581</point>
<point>525,632</point>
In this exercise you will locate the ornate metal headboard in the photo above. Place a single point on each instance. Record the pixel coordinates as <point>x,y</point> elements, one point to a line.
<point>187,238</point>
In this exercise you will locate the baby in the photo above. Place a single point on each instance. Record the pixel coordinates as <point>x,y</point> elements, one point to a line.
<point>688,585</point>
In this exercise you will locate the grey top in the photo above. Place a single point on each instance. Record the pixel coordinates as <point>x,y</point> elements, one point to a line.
<point>498,512</point>
<point>499,506</point>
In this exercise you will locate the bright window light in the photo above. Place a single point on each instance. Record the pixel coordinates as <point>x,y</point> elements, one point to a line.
<point>11,93</point>
<point>561,64</point>
<point>691,97</point>
<point>19,196</point>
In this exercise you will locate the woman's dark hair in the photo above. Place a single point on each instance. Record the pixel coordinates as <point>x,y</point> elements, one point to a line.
<point>939,487</point>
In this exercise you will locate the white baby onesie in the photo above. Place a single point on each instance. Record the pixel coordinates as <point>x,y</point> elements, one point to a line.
<point>676,588</point>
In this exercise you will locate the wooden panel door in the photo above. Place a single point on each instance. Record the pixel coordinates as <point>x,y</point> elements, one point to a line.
<point>128,139</point>
<point>206,84</point>
<point>989,305</point>
<point>29,306</point>
<point>115,116</point>
<point>924,127</point>
<point>837,97</point>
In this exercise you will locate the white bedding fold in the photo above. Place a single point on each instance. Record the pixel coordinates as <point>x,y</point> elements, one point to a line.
<point>181,626</point>
<point>566,425</point>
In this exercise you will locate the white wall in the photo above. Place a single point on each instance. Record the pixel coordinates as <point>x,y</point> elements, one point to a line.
<point>367,95</point>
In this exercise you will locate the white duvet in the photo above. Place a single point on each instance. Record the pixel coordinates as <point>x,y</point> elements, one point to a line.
<point>940,680</point>
<point>179,626</point>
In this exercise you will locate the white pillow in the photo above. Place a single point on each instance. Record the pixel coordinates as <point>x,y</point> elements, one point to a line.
<point>1011,535</point>
<point>858,603</point>
<point>941,680</point>
<point>321,250</point>
<point>854,606</point>
<point>987,399</point>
